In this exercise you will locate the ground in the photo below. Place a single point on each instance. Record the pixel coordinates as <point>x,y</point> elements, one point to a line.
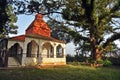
<point>68,72</point>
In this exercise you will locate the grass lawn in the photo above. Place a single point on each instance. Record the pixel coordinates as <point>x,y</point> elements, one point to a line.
<point>68,72</point>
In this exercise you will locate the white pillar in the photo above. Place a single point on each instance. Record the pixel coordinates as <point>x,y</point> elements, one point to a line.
<point>24,53</point>
<point>49,53</point>
<point>23,59</point>
<point>63,52</point>
<point>25,49</point>
<point>54,51</point>
<point>39,52</point>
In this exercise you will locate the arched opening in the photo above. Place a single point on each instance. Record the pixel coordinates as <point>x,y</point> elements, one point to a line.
<point>59,51</point>
<point>32,49</point>
<point>15,50</point>
<point>47,50</point>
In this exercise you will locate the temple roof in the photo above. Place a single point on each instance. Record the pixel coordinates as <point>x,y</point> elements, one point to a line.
<point>37,29</point>
<point>38,26</point>
<point>18,38</point>
<point>22,38</point>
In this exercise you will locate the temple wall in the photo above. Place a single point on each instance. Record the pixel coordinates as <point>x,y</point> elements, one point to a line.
<point>11,43</point>
<point>55,61</point>
<point>29,61</point>
<point>12,62</point>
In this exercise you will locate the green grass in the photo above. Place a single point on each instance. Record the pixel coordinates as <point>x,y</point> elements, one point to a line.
<point>68,72</point>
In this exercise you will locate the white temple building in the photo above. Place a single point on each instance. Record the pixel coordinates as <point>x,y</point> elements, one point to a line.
<point>35,47</point>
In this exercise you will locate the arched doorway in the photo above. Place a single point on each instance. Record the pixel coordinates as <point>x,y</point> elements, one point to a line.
<point>47,50</point>
<point>15,50</point>
<point>32,49</point>
<point>59,51</point>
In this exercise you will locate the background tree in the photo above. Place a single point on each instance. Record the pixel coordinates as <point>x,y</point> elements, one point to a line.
<point>95,22</point>
<point>7,19</point>
<point>95,19</point>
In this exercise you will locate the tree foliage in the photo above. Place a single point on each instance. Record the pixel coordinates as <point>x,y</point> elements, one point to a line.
<point>38,6</point>
<point>7,19</point>
<point>95,22</point>
<point>96,19</point>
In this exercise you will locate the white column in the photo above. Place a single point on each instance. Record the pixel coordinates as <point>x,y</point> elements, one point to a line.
<point>49,52</point>
<point>54,51</point>
<point>39,52</point>
<point>23,57</point>
<point>64,52</point>
<point>25,49</point>
<point>24,53</point>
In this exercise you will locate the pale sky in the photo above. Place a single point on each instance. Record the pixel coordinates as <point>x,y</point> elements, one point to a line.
<point>25,20</point>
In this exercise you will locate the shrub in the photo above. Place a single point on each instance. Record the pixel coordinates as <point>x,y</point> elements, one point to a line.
<point>100,61</point>
<point>107,63</point>
<point>70,58</point>
<point>74,63</point>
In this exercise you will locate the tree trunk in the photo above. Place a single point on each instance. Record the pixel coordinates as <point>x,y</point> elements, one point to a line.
<point>96,54</point>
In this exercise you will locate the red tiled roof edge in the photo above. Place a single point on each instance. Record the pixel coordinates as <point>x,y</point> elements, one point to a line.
<point>18,38</point>
<point>22,38</point>
<point>44,37</point>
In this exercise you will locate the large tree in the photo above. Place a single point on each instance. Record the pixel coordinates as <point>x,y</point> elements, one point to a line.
<point>7,19</point>
<point>94,23</point>
<point>96,20</point>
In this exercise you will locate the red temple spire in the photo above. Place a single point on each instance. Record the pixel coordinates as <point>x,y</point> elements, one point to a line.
<point>38,26</point>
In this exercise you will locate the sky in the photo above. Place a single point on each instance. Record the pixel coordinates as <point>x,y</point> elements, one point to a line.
<point>25,20</point>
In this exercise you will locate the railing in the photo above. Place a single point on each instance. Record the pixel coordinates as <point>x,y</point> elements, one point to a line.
<point>19,58</point>
<point>46,56</point>
<point>32,55</point>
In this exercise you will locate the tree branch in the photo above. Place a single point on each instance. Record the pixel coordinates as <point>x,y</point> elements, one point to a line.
<point>116,15</point>
<point>50,13</point>
<point>111,39</point>
<point>112,13</point>
<point>77,37</point>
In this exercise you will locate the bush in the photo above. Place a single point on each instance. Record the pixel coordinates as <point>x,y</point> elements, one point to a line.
<point>74,63</point>
<point>70,58</point>
<point>100,62</point>
<point>107,63</point>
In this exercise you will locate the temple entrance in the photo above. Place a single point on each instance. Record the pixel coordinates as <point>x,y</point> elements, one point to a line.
<point>32,49</point>
<point>47,50</point>
<point>59,52</point>
<point>15,50</point>
<point>15,53</point>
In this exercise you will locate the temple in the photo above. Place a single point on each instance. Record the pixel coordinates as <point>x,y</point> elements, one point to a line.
<point>35,47</point>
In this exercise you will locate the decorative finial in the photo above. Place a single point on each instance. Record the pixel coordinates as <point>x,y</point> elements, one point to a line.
<point>39,17</point>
